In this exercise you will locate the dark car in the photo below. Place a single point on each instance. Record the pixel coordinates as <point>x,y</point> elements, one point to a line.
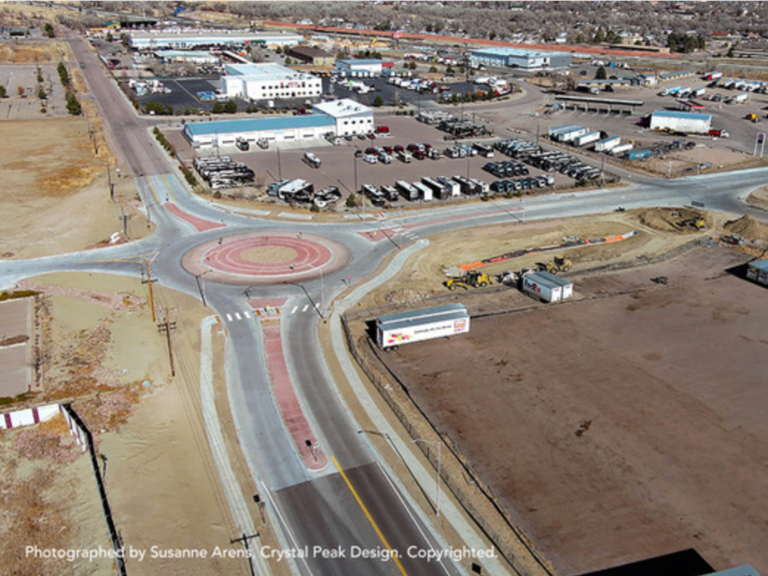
<point>358,153</point>
<point>399,148</point>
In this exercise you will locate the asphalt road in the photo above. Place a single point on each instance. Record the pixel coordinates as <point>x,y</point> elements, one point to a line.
<point>361,507</point>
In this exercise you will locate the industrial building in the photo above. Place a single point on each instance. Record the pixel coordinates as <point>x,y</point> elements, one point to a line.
<point>191,39</point>
<point>192,56</point>
<point>681,121</point>
<point>371,66</point>
<point>267,81</point>
<point>514,58</point>
<point>341,117</point>
<point>313,56</point>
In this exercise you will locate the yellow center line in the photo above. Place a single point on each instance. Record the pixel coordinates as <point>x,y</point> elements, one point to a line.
<point>153,190</point>
<point>169,188</point>
<point>393,554</point>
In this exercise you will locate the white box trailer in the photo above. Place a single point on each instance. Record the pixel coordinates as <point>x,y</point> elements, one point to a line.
<point>547,287</point>
<point>619,150</point>
<point>739,98</point>
<point>392,330</point>
<point>588,138</point>
<point>607,144</point>
<point>425,192</point>
<point>570,134</point>
<point>452,185</point>
<point>558,129</point>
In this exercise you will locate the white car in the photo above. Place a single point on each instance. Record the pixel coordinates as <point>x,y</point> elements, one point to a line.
<point>370,158</point>
<point>385,158</point>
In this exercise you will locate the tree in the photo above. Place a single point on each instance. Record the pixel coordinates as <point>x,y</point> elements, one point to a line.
<point>378,101</point>
<point>230,107</point>
<point>3,92</point>
<point>599,37</point>
<point>432,69</point>
<point>48,30</point>
<point>73,106</point>
<point>351,201</point>
<point>20,90</point>
<point>288,61</point>
<point>41,94</point>
<point>218,107</point>
<point>601,74</point>
<point>109,37</point>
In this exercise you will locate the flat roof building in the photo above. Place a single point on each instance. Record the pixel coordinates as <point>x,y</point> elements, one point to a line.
<point>194,56</point>
<point>502,57</point>
<point>313,56</point>
<point>190,39</point>
<point>363,65</point>
<point>341,117</point>
<point>267,81</point>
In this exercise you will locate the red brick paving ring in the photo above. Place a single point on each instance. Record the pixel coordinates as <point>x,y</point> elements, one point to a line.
<point>266,258</point>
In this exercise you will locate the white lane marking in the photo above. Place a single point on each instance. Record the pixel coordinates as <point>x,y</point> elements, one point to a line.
<point>413,518</point>
<point>294,309</point>
<point>247,314</point>
<point>237,315</point>
<point>305,308</point>
<point>285,524</point>
<point>229,317</point>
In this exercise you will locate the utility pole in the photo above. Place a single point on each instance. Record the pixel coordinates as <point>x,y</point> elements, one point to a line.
<point>166,326</point>
<point>124,219</point>
<point>244,539</point>
<point>149,281</point>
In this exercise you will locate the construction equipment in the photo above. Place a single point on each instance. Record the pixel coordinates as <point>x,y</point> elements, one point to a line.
<point>752,117</point>
<point>472,279</point>
<point>732,239</point>
<point>697,222</point>
<point>558,264</point>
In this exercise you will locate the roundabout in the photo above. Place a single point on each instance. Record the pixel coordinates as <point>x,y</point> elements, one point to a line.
<point>266,258</point>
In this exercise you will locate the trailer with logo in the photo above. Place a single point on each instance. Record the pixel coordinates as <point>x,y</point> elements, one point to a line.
<point>392,330</point>
<point>547,287</point>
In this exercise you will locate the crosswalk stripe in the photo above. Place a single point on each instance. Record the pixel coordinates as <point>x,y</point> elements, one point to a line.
<point>294,309</point>
<point>229,317</point>
<point>237,315</point>
<point>247,314</point>
<point>305,308</point>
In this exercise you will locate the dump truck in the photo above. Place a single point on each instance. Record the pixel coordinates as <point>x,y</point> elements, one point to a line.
<point>392,330</point>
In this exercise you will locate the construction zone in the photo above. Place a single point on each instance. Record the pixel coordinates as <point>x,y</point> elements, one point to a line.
<point>597,407</point>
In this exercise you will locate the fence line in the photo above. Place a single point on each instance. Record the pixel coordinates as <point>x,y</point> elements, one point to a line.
<point>384,387</point>
<point>114,536</point>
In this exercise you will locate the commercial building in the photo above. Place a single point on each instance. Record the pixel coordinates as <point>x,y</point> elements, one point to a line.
<point>191,39</point>
<point>192,56</point>
<point>681,121</point>
<point>313,56</point>
<point>268,81</point>
<point>341,117</point>
<point>501,57</point>
<point>371,66</point>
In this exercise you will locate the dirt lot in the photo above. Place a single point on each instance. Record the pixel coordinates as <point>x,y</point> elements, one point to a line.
<point>102,348</point>
<point>49,175</point>
<point>15,76</point>
<point>612,415</point>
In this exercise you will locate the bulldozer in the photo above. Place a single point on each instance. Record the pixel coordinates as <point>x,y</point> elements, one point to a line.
<point>472,279</point>
<point>558,264</point>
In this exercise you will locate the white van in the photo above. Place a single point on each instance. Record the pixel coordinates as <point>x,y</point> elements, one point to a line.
<point>312,160</point>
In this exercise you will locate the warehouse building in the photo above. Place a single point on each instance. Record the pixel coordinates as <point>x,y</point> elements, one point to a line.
<point>267,81</point>
<point>192,56</point>
<point>681,121</point>
<point>313,56</point>
<point>371,66</point>
<point>191,39</point>
<point>513,58</point>
<point>341,117</point>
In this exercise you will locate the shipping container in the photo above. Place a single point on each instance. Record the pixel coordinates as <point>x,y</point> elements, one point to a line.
<point>621,148</point>
<point>392,330</point>
<point>639,154</point>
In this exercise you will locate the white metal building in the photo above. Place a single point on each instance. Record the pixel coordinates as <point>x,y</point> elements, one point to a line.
<point>502,57</point>
<point>267,81</point>
<point>189,39</point>
<point>342,117</point>
<point>681,121</point>
<point>364,65</point>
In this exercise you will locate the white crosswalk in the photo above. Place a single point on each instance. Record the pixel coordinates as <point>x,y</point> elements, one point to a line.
<point>239,315</point>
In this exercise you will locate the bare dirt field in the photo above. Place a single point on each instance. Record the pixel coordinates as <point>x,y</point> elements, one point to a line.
<point>625,424</point>
<point>103,350</point>
<point>50,176</point>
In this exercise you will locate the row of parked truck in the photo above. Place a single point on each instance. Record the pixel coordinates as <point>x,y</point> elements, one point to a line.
<point>427,189</point>
<point>552,161</point>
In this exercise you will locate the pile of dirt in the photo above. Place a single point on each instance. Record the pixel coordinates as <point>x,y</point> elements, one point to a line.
<point>405,296</point>
<point>669,219</point>
<point>747,227</point>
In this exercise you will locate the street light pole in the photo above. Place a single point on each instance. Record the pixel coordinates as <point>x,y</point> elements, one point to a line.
<point>439,445</point>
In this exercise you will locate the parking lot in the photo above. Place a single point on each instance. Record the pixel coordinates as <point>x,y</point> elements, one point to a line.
<point>341,167</point>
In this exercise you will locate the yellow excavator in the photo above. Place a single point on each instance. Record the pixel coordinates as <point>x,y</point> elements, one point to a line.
<point>472,279</point>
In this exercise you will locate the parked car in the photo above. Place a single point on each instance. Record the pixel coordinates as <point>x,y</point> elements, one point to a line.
<point>370,158</point>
